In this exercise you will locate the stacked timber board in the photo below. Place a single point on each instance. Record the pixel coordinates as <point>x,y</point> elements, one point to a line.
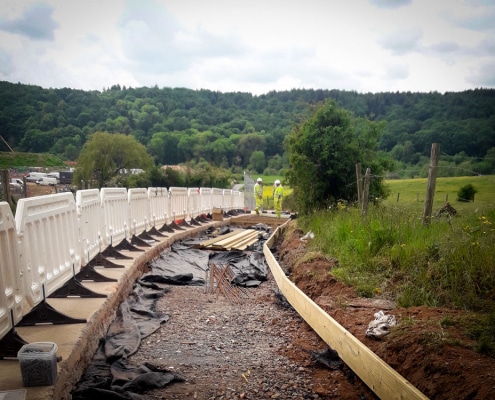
<point>253,219</point>
<point>238,239</point>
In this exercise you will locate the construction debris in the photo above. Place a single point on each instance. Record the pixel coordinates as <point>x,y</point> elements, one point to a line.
<point>218,279</point>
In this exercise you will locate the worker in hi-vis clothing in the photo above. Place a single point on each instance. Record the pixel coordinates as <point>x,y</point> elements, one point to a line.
<point>258,195</point>
<point>277,197</point>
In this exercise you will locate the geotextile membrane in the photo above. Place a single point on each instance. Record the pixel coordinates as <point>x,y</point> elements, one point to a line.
<point>108,376</point>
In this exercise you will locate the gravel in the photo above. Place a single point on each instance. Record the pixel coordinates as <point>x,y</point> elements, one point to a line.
<point>255,349</point>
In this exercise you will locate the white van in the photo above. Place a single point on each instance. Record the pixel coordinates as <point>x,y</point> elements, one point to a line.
<point>16,182</point>
<point>55,175</point>
<point>35,176</point>
<point>47,181</point>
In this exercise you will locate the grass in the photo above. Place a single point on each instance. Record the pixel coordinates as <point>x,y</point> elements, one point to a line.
<point>24,160</point>
<point>412,192</point>
<point>389,251</point>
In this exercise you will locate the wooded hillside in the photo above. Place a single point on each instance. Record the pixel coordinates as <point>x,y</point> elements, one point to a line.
<point>240,130</point>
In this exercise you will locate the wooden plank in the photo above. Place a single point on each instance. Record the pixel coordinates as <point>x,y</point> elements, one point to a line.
<point>253,219</point>
<point>233,239</point>
<point>211,241</point>
<point>382,379</point>
<point>245,245</point>
<point>244,240</point>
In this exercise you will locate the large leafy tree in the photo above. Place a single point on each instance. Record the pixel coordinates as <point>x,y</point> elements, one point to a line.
<point>323,152</point>
<point>105,155</point>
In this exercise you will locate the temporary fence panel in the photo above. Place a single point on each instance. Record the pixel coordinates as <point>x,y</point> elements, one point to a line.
<point>227,199</point>
<point>205,200</point>
<point>249,192</point>
<point>47,229</point>
<point>91,223</point>
<point>139,210</point>
<point>116,215</point>
<point>193,202</point>
<point>178,203</point>
<point>159,206</point>
<point>216,198</point>
<point>11,294</point>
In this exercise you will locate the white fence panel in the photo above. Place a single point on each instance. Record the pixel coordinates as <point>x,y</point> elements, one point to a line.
<point>238,200</point>
<point>159,206</point>
<point>139,210</point>
<point>116,215</point>
<point>11,294</point>
<point>193,202</point>
<point>216,198</point>
<point>47,228</point>
<point>227,199</point>
<point>205,200</point>
<point>91,223</point>
<point>178,203</point>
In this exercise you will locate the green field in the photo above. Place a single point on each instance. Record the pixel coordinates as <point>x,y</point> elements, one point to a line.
<point>411,193</point>
<point>390,252</point>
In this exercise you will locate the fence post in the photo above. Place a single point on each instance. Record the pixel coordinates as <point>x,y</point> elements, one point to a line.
<point>6,187</point>
<point>359,184</point>
<point>366,190</point>
<point>432,180</point>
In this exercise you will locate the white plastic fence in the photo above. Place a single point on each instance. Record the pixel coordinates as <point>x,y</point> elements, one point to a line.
<point>205,200</point>
<point>91,223</point>
<point>227,200</point>
<point>11,291</point>
<point>139,211</point>
<point>51,238</point>
<point>159,206</point>
<point>216,198</point>
<point>49,243</point>
<point>193,202</point>
<point>115,204</point>
<point>178,203</point>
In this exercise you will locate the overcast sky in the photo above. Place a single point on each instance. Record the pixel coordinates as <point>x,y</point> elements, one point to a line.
<point>251,46</point>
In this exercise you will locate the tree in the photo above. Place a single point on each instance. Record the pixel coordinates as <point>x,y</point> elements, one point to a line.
<point>323,152</point>
<point>257,160</point>
<point>105,155</point>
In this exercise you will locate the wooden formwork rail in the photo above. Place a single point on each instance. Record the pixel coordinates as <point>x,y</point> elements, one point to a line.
<point>382,379</point>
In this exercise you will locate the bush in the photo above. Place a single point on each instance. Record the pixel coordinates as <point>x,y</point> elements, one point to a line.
<point>466,193</point>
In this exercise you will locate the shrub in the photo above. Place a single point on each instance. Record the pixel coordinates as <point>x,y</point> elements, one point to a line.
<point>466,193</point>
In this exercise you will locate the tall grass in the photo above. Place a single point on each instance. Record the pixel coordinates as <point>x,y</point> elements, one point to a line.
<point>389,252</point>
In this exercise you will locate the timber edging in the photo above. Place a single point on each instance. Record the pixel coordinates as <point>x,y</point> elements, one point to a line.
<point>382,379</point>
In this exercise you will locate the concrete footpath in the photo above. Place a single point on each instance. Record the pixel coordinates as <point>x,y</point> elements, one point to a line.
<point>78,342</point>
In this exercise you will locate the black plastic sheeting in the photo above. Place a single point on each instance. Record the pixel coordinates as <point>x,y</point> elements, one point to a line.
<point>184,264</point>
<point>108,376</point>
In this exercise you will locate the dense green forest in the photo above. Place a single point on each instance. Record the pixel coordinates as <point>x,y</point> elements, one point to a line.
<point>242,131</point>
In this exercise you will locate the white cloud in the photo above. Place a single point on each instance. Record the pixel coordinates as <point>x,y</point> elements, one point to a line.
<point>36,23</point>
<point>254,46</point>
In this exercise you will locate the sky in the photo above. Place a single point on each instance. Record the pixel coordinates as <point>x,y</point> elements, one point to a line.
<point>254,46</point>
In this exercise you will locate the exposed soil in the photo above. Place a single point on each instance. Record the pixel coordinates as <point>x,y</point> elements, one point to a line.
<point>261,349</point>
<point>435,357</point>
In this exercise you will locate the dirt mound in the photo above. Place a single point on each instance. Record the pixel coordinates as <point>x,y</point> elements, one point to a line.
<point>428,346</point>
